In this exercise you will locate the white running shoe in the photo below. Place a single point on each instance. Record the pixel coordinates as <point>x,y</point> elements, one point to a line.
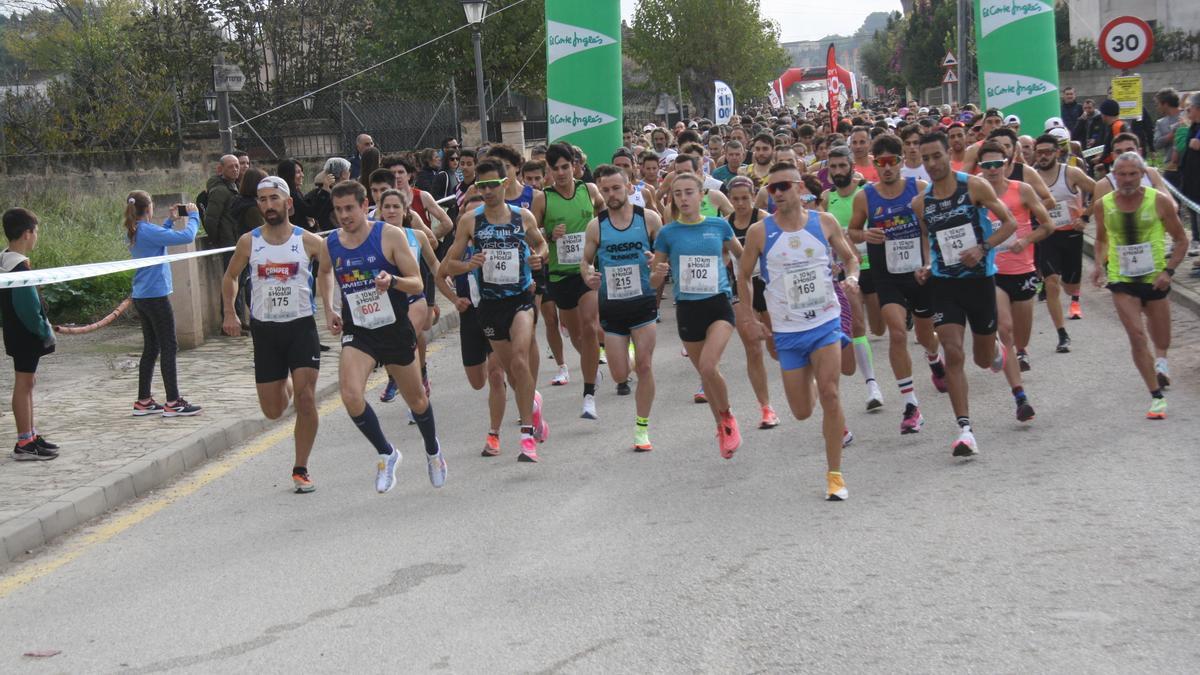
<point>589,408</point>
<point>437,468</point>
<point>874,396</point>
<point>385,478</point>
<point>965,445</point>
<point>562,378</point>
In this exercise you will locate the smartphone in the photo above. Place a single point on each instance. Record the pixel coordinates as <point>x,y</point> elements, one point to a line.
<point>181,211</point>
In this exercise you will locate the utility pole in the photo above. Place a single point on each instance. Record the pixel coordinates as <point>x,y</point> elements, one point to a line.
<point>961,12</point>
<point>454,108</point>
<point>679,93</point>
<point>224,118</point>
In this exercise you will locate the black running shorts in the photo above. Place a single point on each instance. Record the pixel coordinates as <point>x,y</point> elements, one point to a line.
<point>693,317</point>
<point>967,300</point>
<point>1018,287</point>
<point>621,317</point>
<point>1062,253</point>
<point>496,315</point>
<point>472,342</point>
<point>283,346</point>
<point>903,290</point>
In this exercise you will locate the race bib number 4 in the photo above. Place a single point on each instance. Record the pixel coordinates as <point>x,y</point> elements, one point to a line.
<point>502,266</point>
<point>903,255</point>
<point>953,241</point>
<point>622,282</point>
<point>1135,260</point>
<point>808,289</point>
<point>281,304</point>
<point>370,309</point>
<point>570,249</point>
<point>698,274</point>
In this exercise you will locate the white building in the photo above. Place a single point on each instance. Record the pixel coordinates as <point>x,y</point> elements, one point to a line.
<point>1089,16</point>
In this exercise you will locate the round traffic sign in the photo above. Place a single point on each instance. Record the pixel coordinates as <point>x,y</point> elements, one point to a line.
<point>1126,42</point>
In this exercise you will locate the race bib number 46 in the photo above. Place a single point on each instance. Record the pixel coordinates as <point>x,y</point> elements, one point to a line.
<point>953,241</point>
<point>698,274</point>
<point>502,266</point>
<point>370,309</point>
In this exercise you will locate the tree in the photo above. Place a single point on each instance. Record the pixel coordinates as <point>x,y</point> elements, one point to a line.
<point>700,41</point>
<point>879,56</point>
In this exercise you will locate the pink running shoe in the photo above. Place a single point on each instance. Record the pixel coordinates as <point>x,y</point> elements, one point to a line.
<point>541,430</point>
<point>528,450</point>
<point>728,436</point>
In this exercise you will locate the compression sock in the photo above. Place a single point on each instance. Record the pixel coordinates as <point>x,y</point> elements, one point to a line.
<point>589,389</point>
<point>862,354</point>
<point>368,424</point>
<point>1062,334</point>
<point>1157,393</point>
<point>964,423</point>
<point>428,430</point>
<point>935,364</point>
<point>1019,394</point>
<point>906,390</point>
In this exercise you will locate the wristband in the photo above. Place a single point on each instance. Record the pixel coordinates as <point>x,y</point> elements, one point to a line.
<point>1170,272</point>
<point>985,247</point>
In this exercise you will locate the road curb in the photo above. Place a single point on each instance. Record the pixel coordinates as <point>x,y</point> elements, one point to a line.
<point>138,478</point>
<point>1180,294</point>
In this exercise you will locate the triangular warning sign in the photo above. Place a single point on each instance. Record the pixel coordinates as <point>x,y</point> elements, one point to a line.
<point>951,77</point>
<point>949,61</point>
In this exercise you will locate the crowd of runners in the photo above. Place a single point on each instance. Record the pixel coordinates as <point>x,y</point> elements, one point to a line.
<point>803,239</point>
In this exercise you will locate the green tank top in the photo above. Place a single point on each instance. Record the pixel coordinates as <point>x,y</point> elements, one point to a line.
<point>707,209</point>
<point>842,208</point>
<point>1136,241</point>
<point>575,213</point>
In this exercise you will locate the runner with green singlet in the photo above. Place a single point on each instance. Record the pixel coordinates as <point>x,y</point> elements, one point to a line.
<point>839,202</point>
<point>563,211</point>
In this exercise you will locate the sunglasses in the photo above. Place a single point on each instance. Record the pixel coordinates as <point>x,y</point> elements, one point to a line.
<point>887,161</point>
<point>489,183</point>
<point>781,186</point>
<point>1047,151</point>
<point>992,164</point>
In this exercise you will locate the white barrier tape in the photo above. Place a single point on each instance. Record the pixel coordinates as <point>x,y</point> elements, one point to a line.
<point>1193,206</point>
<point>58,275</point>
<point>1092,152</point>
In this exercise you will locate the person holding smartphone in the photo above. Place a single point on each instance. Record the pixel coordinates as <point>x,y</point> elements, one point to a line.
<point>151,297</point>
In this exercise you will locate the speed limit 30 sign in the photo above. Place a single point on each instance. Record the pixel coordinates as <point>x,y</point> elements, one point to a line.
<point>1126,42</point>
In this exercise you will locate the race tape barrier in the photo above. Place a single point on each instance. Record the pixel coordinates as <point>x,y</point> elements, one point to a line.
<point>1191,205</point>
<point>58,275</point>
<point>1092,152</point>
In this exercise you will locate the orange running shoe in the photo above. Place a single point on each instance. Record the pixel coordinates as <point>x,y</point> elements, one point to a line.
<point>491,447</point>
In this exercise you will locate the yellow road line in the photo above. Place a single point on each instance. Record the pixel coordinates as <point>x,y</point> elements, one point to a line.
<point>34,570</point>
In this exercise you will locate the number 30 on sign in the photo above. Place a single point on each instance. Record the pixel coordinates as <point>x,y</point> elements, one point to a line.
<point>1126,42</point>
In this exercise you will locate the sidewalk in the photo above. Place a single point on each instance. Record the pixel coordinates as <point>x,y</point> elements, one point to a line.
<point>83,400</point>
<point>1185,290</point>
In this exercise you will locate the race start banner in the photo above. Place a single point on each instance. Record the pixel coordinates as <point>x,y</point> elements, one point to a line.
<point>723,102</point>
<point>583,75</point>
<point>1018,59</point>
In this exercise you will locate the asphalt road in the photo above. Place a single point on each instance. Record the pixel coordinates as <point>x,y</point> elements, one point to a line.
<point>1069,544</point>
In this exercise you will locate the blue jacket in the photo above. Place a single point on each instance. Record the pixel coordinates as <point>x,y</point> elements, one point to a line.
<point>153,240</point>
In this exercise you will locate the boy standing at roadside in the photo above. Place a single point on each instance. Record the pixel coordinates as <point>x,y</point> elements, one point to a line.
<point>28,335</point>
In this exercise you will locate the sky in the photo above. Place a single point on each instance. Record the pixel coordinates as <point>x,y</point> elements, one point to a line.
<point>808,19</point>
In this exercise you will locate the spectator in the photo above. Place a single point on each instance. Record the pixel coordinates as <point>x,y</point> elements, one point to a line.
<point>429,177</point>
<point>337,169</point>
<point>151,297</point>
<point>28,335</point>
<point>219,223</point>
<point>369,161</point>
<point>450,166</point>
<point>1112,125</point>
<point>449,145</point>
<point>1087,129</point>
<point>243,161</point>
<point>361,145</point>
<point>292,173</point>
<point>1164,131</point>
<point>1071,110</point>
<point>1189,166</point>
<point>245,204</point>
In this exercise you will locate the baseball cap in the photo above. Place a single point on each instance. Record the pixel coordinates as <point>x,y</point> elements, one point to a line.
<point>649,127</point>
<point>1060,133</point>
<point>923,111</point>
<point>275,183</point>
<point>1054,123</point>
<point>1012,119</point>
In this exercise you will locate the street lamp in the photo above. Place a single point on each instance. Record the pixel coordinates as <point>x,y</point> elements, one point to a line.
<point>210,104</point>
<point>307,102</point>
<point>475,11</point>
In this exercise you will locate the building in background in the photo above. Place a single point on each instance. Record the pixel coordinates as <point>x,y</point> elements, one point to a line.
<point>1089,16</point>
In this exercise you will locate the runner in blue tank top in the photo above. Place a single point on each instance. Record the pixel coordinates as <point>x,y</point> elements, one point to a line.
<point>616,262</point>
<point>958,240</point>
<point>507,244</point>
<point>374,269</point>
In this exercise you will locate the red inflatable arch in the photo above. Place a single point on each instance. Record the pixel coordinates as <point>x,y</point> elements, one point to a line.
<point>794,75</point>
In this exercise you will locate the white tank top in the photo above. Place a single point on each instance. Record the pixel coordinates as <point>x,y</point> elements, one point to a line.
<point>1065,199</point>
<point>795,267</point>
<point>279,278</point>
<point>1112,180</point>
<point>638,198</point>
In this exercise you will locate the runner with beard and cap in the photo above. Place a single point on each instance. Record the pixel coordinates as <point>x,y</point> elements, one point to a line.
<point>616,263</point>
<point>1131,227</point>
<point>1060,256</point>
<point>883,217</point>
<point>283,328</point>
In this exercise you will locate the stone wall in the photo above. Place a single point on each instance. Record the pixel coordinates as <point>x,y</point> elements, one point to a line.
<point>1094,84</point>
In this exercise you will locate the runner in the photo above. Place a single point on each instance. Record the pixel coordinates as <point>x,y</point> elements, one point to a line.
<point>282,323</point>
<point>839,202</point>
<point>375,271</point>
<point>640,194</point>
<point>745,214</point>
<point>805,313</point>
<point>694,246</point>
<point>563,210</point>
<point>533,174</point>
<point>860,145</point>
<point>1060,256</point>
<point>616,256</point>
<point>1016,274</point>
<point>1131,224</point>
<point>883,217</point>
<point>762,152</point>
<point>423,203</point>
<point>958,240</point>
<point>957,135</point>
<point>505,243</point>
<point>913,167</point>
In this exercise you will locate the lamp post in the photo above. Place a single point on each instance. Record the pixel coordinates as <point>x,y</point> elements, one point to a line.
<point>307,102</point>
<point>475,11</point>
<point>210,104</point>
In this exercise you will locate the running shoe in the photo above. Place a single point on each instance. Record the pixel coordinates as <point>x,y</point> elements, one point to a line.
<point>769,419</point>
<point>641,439</point>
<point>562,378</point>
<point>491,446</point>
<point>541,430</point>
<point>1064,345</point>
<point>1023,362</point>
<point>912,421</point>
<point>389,391</point>
<point>937,374</point>
<point>1163,374</point>
<point>603,357</point>
<point>1001,358</point>
<point>303,482</point>
<point>874,396</point>
<point>1024,411</point>
<point>44,444</point>
<point>847,438</point>
<point>437,468</point>
<point>32,452</point>
<point>1158,409</point>
<point>143,409</point>
<point>1075,311</point>
<point>385,475</point>
<point>965,445</point>
<point>835,490</point>
<point>728,436</point>
<point>180,408</point>
<point>412,419</point>
<point>589,408</point>
<point>623,389</point>
<point>699,396</point>
<point>528,450</point>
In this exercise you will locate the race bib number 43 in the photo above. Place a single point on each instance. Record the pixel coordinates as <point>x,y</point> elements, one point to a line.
<point>698,274</point>
<point>953,241</point>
